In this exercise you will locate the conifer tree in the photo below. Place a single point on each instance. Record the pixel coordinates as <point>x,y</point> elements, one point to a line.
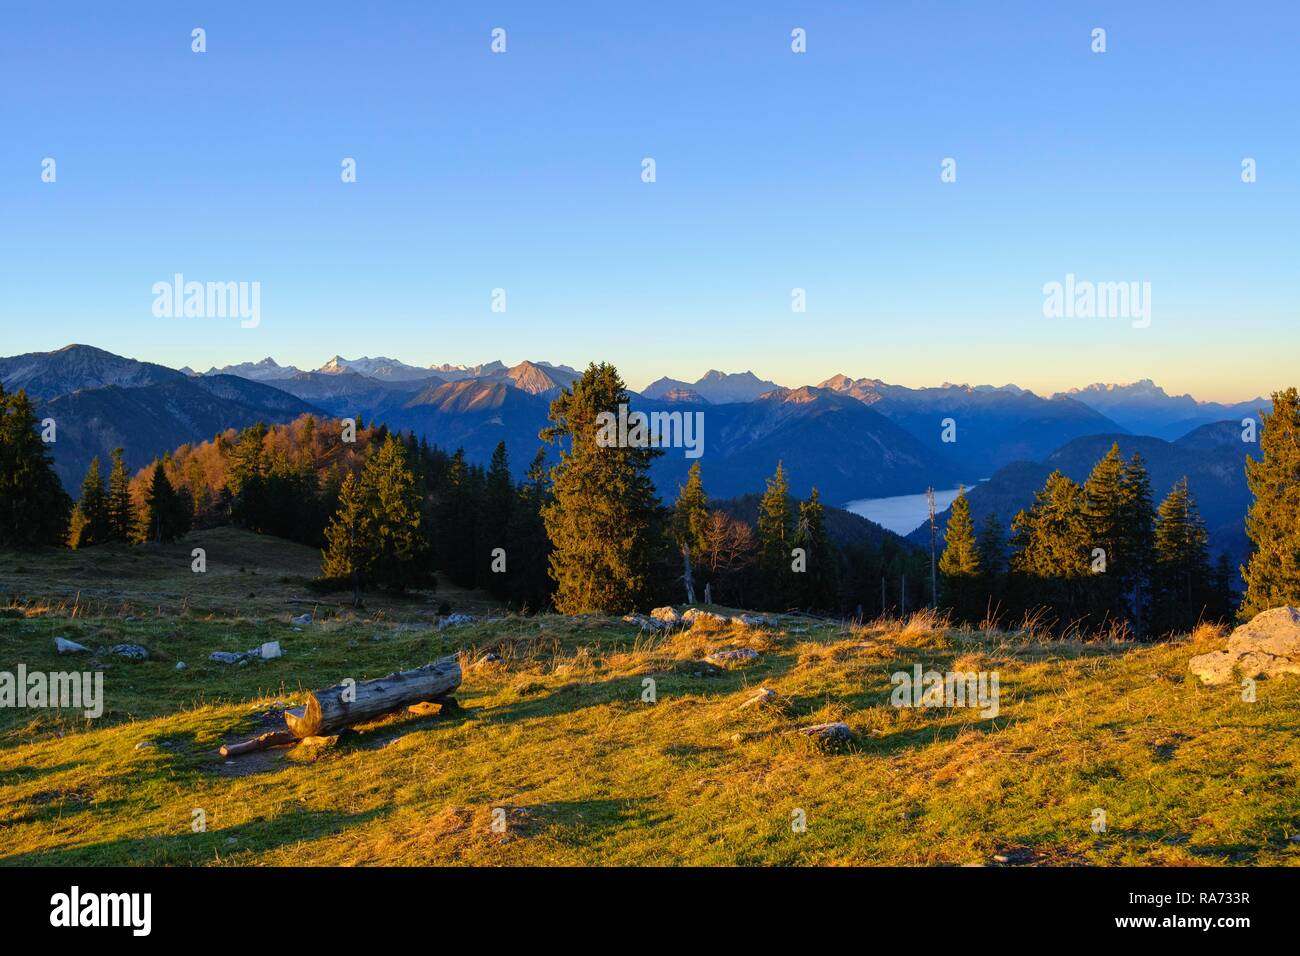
<point>1051,549</point>
<point>529,548</point>
<point>607,536</point>
<point>1137,541</point>
<point>817,586</point>
<point>775,534</point>
<point>375,536</point>
<point>34,508</point>
<point>164,517</point>
<point>1180,577</point>
<point>992,556</point>
<point>959,566</point>
<point>690,523</point>
<point>1106,503</point>
<point>348,550</point>
<point>399,547</point>
<point>90,524</point>
<point>493,522</point>
<point>121,509</point>
<point>1272,573</point>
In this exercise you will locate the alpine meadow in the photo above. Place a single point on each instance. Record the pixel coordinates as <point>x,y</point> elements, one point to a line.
<point>677,583</point>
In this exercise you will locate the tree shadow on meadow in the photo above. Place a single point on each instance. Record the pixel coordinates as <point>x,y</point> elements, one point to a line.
<point>195,849</point>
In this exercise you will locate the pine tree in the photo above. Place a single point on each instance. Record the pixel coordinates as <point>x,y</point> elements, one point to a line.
<point>493,522</point>
<point>1222,603</point>
<point>399,548</point>
<point>1051,549</point>
<point>90,524</point>
<point>690,521</point>
<point>959,566</point>
<point>1106,502</point>
<point>817,587</point>
<point>608,538</point>
<point>1272,574</point>
<point>165,517</point>
<point>992,556</point>
<point>121,509</point>
<point>775,533</point>
<point>349,549</point>
<point>1181,575</point>
<point>457,521</point>
<point>529,548</point>
<point>1137,541</point>
<point>34,508</point>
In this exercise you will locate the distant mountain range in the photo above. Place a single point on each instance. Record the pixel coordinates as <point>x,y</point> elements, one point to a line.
<point>850,437</point>
<point>1144,408</point>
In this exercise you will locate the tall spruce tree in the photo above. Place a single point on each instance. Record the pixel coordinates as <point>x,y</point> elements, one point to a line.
<point>90,524</point>
<point>992,554</point>
<point>400,548</point>
<point>34,508</point>
<point>375,536</point>
<point>775,534</point>
<point>164,517</point>
<point>349,552</point>
<point>121,509</point>
<point>817,586</point>
<point>1051,549</point>
<point>690,524</point>
<point>1106,503</point>
<point>961,584</point>
<point>1137,541</point>
<point>492,527</point>
<point>603,520</point>
<point>1180,581</point>
<point>1272,573</point>
<point>529,548</point>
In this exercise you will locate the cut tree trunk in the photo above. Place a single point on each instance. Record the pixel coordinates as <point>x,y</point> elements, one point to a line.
<point>330,710</point>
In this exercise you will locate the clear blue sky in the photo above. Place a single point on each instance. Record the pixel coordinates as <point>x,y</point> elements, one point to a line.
<point>775,170</point>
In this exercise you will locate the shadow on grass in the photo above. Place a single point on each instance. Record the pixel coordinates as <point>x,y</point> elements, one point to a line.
<point>194,849</point>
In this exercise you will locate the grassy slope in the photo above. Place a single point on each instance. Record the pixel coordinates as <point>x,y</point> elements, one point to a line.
<point>557,735</point>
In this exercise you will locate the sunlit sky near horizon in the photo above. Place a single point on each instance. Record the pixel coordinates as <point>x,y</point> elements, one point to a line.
<point>775,170</point>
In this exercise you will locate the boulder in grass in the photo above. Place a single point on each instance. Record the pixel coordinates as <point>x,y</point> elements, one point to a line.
<point>667,615</point>
<point>751,620</point>
<point>455,620</point>
<point>65,646</point>
<point>1266,646</point>
<point>834,732</point>
<point>132,652</point>
<point>735,656</point>
<point>695,616</point>
<point>270,650</point>
<point>303,619</point>
<point>226,657</point>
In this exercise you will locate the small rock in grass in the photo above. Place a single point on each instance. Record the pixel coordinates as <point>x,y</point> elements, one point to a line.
<point>271,650</point>
<point>764,696</point>
<point>65,646</point>
<point>486,660</point>
<point>455,620</point>
<point>226,657</point>
<point>833,732</point>
<point>303,618</point>
<point>132,652</point>
<point>180,665</point>
<point>145,745</point>
<point>668,615</point>
<point>735,655</point>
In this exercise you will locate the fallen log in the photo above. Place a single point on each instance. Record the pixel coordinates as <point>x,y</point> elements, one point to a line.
<point>275,738</point>
<point>334,708</point>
